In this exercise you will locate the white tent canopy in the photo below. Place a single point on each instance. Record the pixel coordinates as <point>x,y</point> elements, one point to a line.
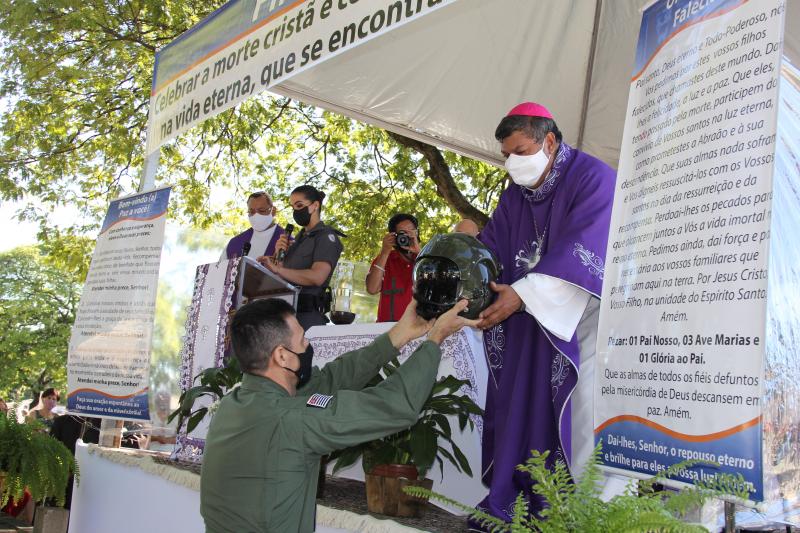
<point>448,78</point>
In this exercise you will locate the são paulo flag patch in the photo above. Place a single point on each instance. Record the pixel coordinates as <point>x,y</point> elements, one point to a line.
<point>319,400</point>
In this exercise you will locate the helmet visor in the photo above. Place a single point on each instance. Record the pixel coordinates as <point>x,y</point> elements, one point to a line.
<point>437,285</point>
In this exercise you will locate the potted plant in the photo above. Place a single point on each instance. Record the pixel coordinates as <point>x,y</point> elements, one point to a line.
<point>31,459</point>
<point>404,458</point>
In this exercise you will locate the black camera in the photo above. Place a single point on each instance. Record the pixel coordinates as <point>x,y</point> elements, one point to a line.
<point>402,239</point>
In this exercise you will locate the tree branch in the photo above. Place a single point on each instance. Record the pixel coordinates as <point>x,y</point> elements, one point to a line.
<point>439,173</point>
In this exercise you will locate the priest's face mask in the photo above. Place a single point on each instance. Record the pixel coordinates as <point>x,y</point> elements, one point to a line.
<point>260,211</point>
<point>527,159</point>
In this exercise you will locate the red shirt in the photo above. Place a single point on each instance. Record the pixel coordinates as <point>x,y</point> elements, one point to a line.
<point>395,297</point>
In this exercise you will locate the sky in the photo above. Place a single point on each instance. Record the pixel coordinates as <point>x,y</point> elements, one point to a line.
<point>14,232</point>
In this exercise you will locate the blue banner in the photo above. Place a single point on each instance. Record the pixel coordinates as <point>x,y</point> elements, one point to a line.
<point>666,18</point>
<point>225,25</point>
<point>145,206</point>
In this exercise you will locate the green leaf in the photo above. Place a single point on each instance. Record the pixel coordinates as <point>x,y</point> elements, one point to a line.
<point>423,446</point>
<point>463,462</point>
<point>443,423</point>
<point>450,384</point>
<point>447,455</point>
<point>195,419</point>
<point>347,457</point>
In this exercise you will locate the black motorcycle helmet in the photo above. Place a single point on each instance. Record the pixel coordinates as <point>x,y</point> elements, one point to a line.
<point>452,267</point>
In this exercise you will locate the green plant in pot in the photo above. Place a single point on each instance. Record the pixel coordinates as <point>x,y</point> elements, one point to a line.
<point>31,459</point>
<point>404,458</point>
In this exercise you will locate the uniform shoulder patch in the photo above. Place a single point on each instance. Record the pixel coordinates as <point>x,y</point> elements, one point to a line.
<point>319,400</point>
<point>332,237</point>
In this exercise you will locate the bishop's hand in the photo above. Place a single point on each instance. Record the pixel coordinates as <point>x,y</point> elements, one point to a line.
<point>507,303</point>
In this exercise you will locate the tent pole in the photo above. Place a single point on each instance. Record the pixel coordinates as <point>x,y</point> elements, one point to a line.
<point>589,68</point>
<point>147,180</point>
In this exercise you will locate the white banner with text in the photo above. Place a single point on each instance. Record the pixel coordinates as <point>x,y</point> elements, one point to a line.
<point>108,367</point>
<point>681,336</point>
<point>247,46</point>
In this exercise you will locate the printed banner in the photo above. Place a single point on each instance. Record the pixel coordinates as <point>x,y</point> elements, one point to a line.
<point>247,46</point>
<point>681,336</point>
<point>108,369</point>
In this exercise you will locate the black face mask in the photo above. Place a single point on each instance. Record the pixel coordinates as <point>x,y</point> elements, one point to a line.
<point>302,216</point>
<point>304,372</point>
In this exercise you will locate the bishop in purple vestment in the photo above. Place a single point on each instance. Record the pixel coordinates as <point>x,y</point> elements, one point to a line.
<point>550,231</point>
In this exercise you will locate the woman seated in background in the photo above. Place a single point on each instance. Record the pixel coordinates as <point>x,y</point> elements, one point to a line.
<point>43,409</point>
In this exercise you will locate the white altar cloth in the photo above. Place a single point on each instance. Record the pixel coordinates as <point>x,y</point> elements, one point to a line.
<point>123,491</point>
<point>463,357</point>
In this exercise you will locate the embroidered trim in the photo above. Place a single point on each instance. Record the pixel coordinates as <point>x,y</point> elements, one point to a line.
<point>190,335</point>
<point>535,195</point>
<point>590,259</point>
<point>225,305</point>
<point>559,371</point>
<point>495,346</point>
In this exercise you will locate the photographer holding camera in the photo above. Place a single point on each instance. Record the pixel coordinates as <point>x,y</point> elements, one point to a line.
<point>390,273</point>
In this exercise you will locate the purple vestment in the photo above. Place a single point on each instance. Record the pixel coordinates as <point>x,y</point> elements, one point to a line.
<point>532,372</point>
<point>235,244</point>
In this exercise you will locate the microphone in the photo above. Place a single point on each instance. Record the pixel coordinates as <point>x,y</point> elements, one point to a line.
<point>246,249</point>
<point>282,253</point>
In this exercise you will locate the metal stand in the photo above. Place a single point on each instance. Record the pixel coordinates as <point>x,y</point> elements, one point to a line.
<point>111,433</point>
<point>730,517</point>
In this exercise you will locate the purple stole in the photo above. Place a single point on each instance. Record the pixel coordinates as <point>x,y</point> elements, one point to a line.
<point>235,245</point>
<point>532,373</point>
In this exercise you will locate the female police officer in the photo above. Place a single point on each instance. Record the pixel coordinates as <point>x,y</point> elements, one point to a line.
<point>311,258</point>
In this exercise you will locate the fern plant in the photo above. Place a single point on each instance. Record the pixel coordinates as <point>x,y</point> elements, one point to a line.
<point>31,459</point>
<point>577,506</point>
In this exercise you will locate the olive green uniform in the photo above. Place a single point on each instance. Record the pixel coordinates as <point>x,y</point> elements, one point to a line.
<point>262,453</point>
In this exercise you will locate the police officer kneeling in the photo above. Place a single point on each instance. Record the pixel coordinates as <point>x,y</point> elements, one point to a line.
<point>262,453</point>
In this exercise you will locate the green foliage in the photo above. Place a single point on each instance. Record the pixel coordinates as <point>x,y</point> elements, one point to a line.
<point>39,304</point>
<point>168,327</point>
<point>577,506</point>
<point>420,444</point>
<point>76,77</point>
<point>32,459</point>
<point>214,384</point>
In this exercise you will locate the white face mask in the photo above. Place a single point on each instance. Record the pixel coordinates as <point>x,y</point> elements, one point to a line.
<point>260,222</point>
<point>525,170</point>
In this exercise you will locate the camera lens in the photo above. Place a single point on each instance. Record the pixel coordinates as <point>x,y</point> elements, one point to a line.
<point>403,240</point>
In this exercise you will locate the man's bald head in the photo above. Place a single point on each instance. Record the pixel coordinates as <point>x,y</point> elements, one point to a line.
<point>467,226</point>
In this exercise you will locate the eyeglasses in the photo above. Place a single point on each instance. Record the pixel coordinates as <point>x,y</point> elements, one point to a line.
<point>262,211</point>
